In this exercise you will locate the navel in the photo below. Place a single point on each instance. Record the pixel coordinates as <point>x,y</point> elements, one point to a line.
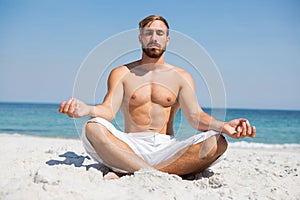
<point>169,99</point>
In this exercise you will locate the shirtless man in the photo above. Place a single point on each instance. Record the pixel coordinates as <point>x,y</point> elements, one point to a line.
<point>149,93</point>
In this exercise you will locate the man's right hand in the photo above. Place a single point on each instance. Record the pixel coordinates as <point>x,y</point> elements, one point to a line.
<point>74,108</point>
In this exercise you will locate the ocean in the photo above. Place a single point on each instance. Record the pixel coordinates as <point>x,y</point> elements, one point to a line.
<point>274,127</point>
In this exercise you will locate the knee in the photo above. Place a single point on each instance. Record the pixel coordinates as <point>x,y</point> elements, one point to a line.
<point>221,145</point>
<point>208,148</point>
<point>95,132</point>
<point>213,146</point>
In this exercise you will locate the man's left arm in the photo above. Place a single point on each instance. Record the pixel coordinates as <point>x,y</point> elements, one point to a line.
<point>202,121</point>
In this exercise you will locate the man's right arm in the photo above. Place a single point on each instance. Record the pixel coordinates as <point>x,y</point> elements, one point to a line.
<point>111,103</point>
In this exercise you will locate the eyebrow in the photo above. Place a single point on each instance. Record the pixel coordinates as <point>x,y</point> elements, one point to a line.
<point>154,29</point>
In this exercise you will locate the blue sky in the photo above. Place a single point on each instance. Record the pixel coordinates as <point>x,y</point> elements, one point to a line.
<point>255,44</point>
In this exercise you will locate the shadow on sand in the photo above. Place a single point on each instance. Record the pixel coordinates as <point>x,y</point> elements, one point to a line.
<point>72,158</point>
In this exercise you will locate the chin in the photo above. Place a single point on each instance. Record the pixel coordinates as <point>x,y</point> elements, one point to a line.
<point>153,52</point>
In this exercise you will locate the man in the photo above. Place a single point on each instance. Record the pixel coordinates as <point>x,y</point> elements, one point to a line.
<point>149,92</point>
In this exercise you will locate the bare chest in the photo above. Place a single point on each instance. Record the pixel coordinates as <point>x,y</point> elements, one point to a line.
<point>140,91</point>
<point>152,93</point>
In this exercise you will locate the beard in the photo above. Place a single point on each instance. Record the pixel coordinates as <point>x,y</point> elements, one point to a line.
<point>153,52</point>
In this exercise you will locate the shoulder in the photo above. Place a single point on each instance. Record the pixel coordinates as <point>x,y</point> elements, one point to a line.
<point>124,69</point>
<point>116,76</point>
<point>119,71</point>
<point>184,75</point>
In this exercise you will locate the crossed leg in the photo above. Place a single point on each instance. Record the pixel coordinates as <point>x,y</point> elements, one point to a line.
<point>113,151</point>
<point>195,158</point>
<point>116,153</point>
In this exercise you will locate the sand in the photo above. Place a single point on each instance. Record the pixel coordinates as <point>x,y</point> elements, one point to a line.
<point>50,168</point>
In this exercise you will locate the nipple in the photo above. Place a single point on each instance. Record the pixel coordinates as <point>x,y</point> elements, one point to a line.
<point>133,97</point>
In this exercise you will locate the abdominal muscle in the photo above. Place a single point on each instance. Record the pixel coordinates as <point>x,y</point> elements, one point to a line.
<point>150,117</point>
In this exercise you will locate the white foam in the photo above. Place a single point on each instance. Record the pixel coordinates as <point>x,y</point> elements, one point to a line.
<point>244,144</point>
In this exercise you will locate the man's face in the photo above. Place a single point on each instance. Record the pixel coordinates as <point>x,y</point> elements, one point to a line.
<point>154,39</point>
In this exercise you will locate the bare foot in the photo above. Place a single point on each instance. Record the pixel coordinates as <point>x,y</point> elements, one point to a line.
<point>110,176</point>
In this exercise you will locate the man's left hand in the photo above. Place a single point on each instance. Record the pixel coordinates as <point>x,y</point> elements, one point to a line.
<point>239,128</point>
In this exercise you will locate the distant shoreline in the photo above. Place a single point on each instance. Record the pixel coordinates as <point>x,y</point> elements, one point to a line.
<point>207,108</point>
<point>44,120</point>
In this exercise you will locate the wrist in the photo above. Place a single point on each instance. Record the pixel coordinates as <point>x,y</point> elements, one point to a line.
<point>217,125</point>
<point>91,111</point>
<point>220,126</point>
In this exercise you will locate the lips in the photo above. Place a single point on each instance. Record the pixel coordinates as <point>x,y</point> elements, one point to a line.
<point>153,45</point>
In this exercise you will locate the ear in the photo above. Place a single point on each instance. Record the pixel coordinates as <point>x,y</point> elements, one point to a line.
<point>140,38</point>
<point>168,40</point>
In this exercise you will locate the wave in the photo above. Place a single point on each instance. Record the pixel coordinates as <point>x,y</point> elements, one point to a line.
<point>18,130</point>
<point>252,145</point>
<point>57,136</point>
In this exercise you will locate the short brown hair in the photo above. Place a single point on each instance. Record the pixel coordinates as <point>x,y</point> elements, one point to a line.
<point>151,19</point>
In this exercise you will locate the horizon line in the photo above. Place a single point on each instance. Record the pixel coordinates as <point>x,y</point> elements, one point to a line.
<point>204,107</point>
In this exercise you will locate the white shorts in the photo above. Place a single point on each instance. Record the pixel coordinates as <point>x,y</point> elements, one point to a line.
<point>152,147</point>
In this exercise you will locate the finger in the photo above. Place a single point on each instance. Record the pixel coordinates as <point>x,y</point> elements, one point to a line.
<point>76,109</point>
<point>71,108</point>
<point>67,106</point>
<point>253,132</point>
<point>242,120</point>
<point>238,132</point>
<point>244,129</point>
<point>61,107</point>
<point>249,132</point>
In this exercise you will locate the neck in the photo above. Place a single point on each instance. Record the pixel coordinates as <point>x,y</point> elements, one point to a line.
<point>148,60</point>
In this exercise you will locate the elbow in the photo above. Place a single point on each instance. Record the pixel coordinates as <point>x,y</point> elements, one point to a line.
<point>107,117</point>
<point>111,117</point>
<point>105,112</point>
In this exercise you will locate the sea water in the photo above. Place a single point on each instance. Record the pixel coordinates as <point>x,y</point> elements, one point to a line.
<point>273,126</point>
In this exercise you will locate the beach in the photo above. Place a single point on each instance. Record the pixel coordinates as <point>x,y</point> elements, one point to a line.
<point>56,168</point>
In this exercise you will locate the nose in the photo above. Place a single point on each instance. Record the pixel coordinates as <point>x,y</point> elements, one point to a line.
<point>154,37</point>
